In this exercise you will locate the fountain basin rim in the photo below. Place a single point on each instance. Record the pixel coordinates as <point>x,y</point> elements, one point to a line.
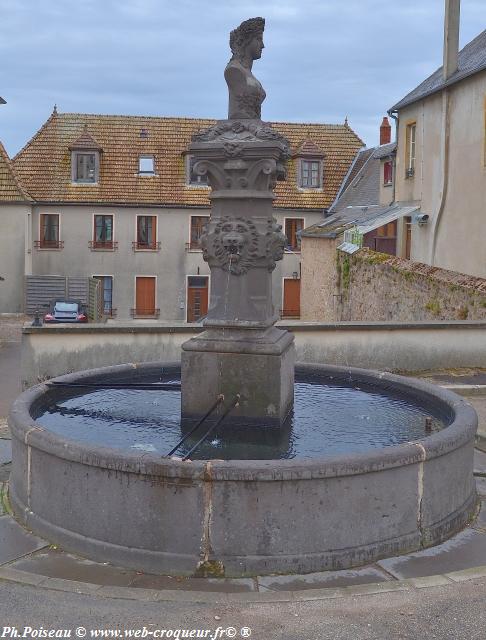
<point>457,434</point>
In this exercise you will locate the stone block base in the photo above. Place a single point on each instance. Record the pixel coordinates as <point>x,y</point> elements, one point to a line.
<point>259,366</point>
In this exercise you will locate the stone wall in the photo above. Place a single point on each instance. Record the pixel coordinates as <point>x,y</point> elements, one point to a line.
<point>378,287</point>
<point>416,346</point>
<point>318,280</point>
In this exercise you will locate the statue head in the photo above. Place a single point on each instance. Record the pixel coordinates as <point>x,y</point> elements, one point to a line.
<point>246,41</point>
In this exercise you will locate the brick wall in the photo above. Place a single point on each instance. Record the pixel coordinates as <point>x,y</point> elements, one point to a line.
<point>378,287</point>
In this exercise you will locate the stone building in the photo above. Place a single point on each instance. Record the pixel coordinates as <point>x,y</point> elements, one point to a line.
<point>365,211</point>
<point>441,156</point>
<point>115,197</point>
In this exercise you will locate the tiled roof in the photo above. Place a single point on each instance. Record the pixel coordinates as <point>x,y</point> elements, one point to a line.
<point>364,189</point>
<point>308,148</point>
<point>44,164</point>
<point>359,198</point>
<point>86,141</point>
<point>360,160</point>
<point>385,150</point>
<point>365,218</point>
<point>10,187</point>
<point>471,60</point>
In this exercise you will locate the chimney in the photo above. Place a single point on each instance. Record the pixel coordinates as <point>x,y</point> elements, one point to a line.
<point>451,37</point>
<point>385,131</point>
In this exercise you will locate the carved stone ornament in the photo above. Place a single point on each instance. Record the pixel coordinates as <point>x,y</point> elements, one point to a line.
<point>232,244</point>
<point>236,131</point>
<point>276,242</point>
<point>236,245</point>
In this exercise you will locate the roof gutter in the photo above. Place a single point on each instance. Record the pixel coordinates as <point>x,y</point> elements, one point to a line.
<point>394,114</point>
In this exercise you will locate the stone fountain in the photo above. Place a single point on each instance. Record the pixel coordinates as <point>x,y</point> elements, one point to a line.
<point>83,479</point>
<point>241,352</point>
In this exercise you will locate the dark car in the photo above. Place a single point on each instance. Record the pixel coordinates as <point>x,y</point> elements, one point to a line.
<point>66,311</point>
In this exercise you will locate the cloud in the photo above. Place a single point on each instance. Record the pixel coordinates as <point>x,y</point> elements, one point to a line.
<point>324,60</point>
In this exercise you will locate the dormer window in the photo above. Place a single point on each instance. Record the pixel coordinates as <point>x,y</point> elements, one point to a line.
<point>85,159</point>
<point>146,165</point>
<point>84,167</point>
<point>310,159</point>
<point>310,174</point>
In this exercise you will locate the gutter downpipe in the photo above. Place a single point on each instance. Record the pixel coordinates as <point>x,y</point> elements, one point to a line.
<point>445,171</point>
<point>394,115</point>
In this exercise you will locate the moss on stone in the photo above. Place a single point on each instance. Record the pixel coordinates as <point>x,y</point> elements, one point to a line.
<point>434,307</point>
<point>210,569</point>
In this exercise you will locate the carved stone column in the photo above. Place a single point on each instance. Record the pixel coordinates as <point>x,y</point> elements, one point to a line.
<point>240,351</point>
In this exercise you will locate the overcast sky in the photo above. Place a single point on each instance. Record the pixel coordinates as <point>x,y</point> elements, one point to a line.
<point>324,59</point>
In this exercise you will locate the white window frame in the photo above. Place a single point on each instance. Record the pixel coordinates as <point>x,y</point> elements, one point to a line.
<point>142,172</point>
<point>147,215</point>
<point>74,157</point>
<point>39,230</point>
<point>320,174</point>
<point>194,215</point>
<point>291,251</point>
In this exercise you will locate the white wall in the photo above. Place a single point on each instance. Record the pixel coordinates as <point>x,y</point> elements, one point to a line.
<point>13,255</point>
<point>460,228</point>
<point>171,264</point>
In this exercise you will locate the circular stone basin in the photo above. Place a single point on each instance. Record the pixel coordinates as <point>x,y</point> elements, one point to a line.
<point>332,489</point>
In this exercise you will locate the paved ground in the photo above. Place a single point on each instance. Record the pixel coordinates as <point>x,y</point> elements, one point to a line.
<point>442,606</point>
<point>455,612</point>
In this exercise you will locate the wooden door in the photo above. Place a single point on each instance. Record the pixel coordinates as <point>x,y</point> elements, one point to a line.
<point>197,298</point>
<point>291,298</point>
<point>145,296</point>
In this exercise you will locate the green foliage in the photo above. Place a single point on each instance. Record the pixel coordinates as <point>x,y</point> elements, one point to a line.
<point>345,273</point>
<point>434,307</point>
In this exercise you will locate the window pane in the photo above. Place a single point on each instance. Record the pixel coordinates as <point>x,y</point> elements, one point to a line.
<point>198,224</point>
<point>85,167</point>
<point>103,228</point>
<point>197,281</point>
<point>50,227</point>
<point>293,226</point>
<point>146,230</point>
<point>146,164</point>
<point>310,173</point>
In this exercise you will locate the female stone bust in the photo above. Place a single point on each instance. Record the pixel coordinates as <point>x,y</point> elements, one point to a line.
<point>246,94</point>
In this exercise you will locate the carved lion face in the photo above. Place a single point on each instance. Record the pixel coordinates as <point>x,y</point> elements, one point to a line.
<point>234,243</point>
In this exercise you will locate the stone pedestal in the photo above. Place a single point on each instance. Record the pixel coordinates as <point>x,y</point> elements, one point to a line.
<point>240,352</point>
<point>258,368</point>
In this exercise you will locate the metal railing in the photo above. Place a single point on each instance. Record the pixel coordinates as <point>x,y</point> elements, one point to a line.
<point>193,246</point>
<point>49,244</point>
<point>146,246</point>
<point>103,245</point>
